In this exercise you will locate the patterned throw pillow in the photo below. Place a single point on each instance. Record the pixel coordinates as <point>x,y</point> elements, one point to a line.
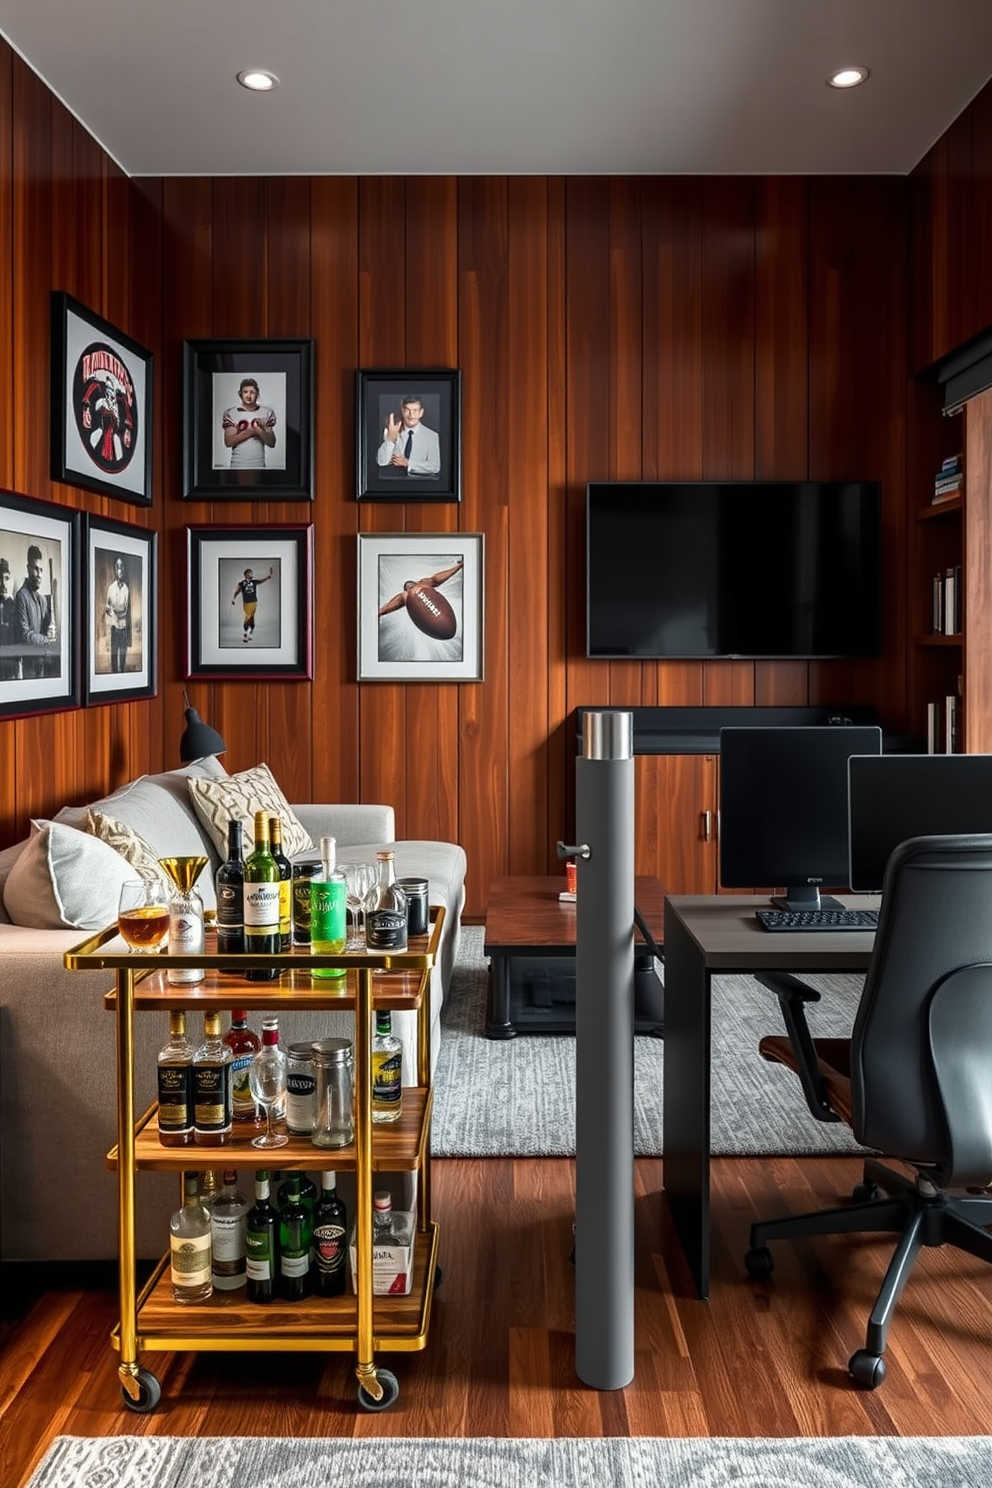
<point>129,843</point>
<point>239,797</point>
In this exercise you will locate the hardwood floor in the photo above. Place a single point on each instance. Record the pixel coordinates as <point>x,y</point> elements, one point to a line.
<point>761,1359</point>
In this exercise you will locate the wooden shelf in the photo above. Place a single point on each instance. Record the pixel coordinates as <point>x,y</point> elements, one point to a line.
<point>941,509</point>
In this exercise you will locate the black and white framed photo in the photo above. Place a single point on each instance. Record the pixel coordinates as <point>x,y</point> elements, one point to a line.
<point>409,435</point>
<point>120,611</point>
<point>39,602</point>
<point>249,601</point>
<point>420,607</point>
<point>101,405</point>
<point>248,420</point>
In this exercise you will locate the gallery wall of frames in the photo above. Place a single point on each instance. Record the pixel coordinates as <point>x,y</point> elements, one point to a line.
<point>255,400</point>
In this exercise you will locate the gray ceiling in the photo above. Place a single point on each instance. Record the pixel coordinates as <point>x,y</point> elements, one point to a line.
<point>542,87</point>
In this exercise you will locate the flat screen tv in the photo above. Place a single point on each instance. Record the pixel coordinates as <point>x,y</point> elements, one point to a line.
<point>697,569</point>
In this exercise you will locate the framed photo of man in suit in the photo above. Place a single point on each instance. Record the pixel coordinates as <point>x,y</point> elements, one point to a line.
<point>409,435</point>
<point>39,606</point>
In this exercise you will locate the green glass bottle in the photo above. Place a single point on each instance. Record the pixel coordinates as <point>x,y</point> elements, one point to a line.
<point>295,1237</point>
<point>261,901</point>
<point>261,1243</point>
<point>285,883</point>
<point>328,909</point>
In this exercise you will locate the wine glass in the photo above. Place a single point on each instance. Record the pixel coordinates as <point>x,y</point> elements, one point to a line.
<point>267,1081</point>
<point>143,914</point>
<point>357,880</point>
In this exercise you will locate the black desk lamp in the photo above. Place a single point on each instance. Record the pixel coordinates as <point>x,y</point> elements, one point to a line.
<point>199,739</point>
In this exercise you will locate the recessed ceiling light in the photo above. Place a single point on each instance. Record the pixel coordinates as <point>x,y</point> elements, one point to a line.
<point>847,77</point>
<point>257,79</point>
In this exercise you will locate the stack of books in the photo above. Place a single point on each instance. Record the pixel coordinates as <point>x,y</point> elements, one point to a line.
<point>949,480</point>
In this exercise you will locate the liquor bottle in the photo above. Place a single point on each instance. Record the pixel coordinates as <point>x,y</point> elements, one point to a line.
<point>186,937</point>
<point>330,1239</point>
<point>387,1070</point>
<point>175,1085</point>
<point>295,1234</point>
<point>189,1246</point>
<point>285,884</point>
<point>243,1043</point>
<point>385,922</point>
<point>230,887</point>
<point>328,909</point>
<point>212,1087</point>
<point>308,1194</point>
<point>261,1243</point>
<point>382,1217</point>
<point>227,1234</point>
<point>208,1188</point>
<point>261,901</point>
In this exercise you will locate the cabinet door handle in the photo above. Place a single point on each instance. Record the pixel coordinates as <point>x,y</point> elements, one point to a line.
<point>706,819</point>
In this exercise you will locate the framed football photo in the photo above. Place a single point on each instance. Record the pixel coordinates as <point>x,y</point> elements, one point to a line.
<point>420,607</point>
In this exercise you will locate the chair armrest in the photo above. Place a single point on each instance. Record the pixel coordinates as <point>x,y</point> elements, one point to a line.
<point>792,994</point>
<point>354,825</point>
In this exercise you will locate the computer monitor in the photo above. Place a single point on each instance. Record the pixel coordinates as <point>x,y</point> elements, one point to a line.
<point>898,796</point>
<point>783,808</point>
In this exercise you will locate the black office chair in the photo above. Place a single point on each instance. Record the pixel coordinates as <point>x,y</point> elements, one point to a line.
<point>914,1081</point>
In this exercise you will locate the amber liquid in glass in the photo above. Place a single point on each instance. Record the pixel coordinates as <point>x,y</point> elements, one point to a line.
<point>146,926</point>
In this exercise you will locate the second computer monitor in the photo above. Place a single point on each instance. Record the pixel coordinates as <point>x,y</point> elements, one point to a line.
<point>783,807</point>
<point>899,796</point>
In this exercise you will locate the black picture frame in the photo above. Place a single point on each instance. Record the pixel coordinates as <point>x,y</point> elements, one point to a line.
<point>38,676</point>
<point>101,415</point>
<point>224,638</point>
<point>214,373</point>
<point>380,395</point>
<point>120,624</point>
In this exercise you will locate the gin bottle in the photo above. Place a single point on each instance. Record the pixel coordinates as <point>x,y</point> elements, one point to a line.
<point>189,1246</point>
<point>385,922</point>
<point>328,896</point>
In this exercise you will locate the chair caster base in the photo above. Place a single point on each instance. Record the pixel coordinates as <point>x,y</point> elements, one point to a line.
<point>866,1369</point>
<point>758,1261</point>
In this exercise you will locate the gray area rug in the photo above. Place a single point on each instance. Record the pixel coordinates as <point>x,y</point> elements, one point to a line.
<point>517,1098</point>
<point>497,1462</point>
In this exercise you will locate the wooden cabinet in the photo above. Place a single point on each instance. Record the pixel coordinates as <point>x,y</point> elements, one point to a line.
<point>676,822</point>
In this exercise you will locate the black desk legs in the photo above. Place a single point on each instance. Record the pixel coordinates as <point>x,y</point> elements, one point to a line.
<point>686,1132</point>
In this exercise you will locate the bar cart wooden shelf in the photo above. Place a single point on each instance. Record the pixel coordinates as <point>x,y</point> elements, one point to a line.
<point>150,1320</point>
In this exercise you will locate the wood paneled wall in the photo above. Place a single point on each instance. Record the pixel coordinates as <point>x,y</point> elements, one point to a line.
<point>606,328</point>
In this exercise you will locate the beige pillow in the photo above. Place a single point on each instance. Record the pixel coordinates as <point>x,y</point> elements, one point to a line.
<point>239,797</point>
<point>65,880</point>
<point>129,843</point>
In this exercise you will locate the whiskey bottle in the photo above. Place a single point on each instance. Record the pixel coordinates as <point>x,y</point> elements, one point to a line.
<point>387,1070</point>
<point>243,1043</point>
<point>285,884</point>
<point>295,1234</point>
<point>212,1087</point>
<point>328,910</point>
<point>385,922</point>
<point>227,1234</point>
<point>189,1246</point>
<point>262,901</point>
<point>230,887</point>
<point>330,1239</point>
<point>261,1243</point>
<point>175,1085</point>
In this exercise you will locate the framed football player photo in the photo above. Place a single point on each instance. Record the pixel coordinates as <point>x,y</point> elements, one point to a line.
<point>409,435</point>
<point>420,607</point>
<point>101,405</point>
<point>248,420</point>
<point>39,606</point>
<point>249,602</point>
<point>120,611</point>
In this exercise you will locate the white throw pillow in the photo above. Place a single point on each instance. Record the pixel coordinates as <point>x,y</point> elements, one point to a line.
<point>238,797</point>
<point>65,880</point>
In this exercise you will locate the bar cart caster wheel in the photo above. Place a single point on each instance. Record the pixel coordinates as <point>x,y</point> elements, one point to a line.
<point>149,1393</point>
<point>865,1193</point>
<point>390,1392</point>
<point>866,1369</point>
<point>438,1277</point>
<point>758,1262</point>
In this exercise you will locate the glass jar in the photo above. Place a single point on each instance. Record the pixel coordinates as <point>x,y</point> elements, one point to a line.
<point>334,1114</point>
<point>301,1090</point>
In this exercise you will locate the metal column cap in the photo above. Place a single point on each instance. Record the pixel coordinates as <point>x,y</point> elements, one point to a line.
<point>607,736</point>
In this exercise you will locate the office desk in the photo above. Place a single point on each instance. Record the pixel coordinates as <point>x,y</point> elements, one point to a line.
<point>704,935</point>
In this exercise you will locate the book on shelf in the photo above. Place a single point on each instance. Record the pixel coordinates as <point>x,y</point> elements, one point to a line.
<point>937,613</point>
<point>948,495</point>
<point>952,462</point>
<point>952,724</point>
<point>933,728</point>
<point>952,601</point>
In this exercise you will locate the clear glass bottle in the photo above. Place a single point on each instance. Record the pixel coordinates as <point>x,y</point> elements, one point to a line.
<point>382,1217</point>
<point>295,1236</point>
<point>175,1085</point>
<point>230,887</point>
<point>387,1070</point>
<point>385,921</point>
<point>285,883</point>
<point>334,1106</point>
<point>227,1235</point>
<point>262,901</point>
<point>189,1246</point>
<point>261,1243</point>
<point>328,910</point>
<point>330,1239</point>
<point>244,1044</point>
<point>212,1061</point>
<point>186,920</point>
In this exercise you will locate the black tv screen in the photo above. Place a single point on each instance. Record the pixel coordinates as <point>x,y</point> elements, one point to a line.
<point>776,569</point>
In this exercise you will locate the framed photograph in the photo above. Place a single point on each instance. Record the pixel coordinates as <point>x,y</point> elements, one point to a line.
<point>420,607</point>
<point>101,405</point>
<point>248,420</point>
<point>120,611</point>
<point>249,596</point>
<point>409,435</point>
<point>39,606</point>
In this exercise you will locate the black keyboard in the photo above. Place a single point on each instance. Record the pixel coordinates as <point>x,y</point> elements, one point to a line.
<point>818,919</point>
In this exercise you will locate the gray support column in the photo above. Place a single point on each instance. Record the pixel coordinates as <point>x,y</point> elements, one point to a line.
<point>604,1053</point>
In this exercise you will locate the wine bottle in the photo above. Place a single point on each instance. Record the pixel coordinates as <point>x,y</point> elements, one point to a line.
<point>295,1234</point>
<point>261,1243</point>
<point>230,886</point>
<point>328,909</point>
<point>330,1239</point>
<point>285,884</point>
<point>227,1234</point>
<point>175,1085</point>
<point>189,1246</point>
<point>385,922</point>
<point>262,901</point>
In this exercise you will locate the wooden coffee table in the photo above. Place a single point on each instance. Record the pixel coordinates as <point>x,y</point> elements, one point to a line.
<point>530,942</point>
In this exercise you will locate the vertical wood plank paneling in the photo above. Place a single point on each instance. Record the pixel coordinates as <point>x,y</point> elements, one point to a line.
<point>561,733</point>
<point>8,363</point>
